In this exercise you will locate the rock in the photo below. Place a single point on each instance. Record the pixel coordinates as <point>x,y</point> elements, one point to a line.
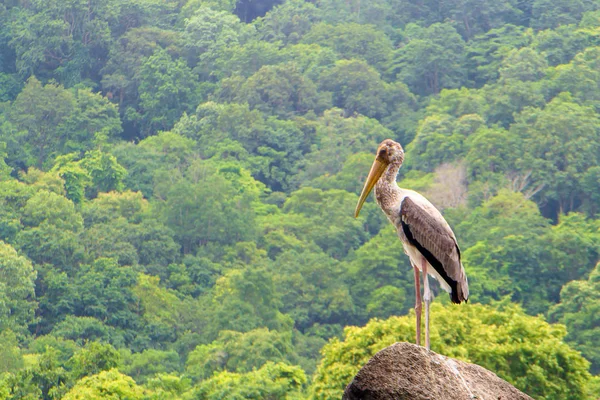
<point>407,371</point>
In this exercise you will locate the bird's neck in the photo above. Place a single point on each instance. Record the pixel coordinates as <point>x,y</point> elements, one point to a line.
<point>387,192</point>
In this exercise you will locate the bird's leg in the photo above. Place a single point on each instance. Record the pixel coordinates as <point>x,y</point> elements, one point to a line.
<point>418,304</point>
<point>427,298</point>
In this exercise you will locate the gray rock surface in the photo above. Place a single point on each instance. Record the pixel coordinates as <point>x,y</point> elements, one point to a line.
<point>407,371</point>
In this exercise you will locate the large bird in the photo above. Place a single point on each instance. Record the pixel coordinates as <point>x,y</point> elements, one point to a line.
<point>426,237</point>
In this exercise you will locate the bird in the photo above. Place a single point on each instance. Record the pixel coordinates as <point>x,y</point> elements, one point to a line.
<point>426,236</point>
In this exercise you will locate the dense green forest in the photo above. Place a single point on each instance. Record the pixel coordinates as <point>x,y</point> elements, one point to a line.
<point>179,179</point>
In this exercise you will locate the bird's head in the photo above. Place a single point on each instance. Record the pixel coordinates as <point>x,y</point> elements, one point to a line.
<point>388,152</point>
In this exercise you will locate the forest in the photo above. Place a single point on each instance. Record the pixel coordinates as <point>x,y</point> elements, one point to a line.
<point>178,180</point>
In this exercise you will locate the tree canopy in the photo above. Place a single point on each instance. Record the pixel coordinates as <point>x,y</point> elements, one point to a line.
<point>178,177</point>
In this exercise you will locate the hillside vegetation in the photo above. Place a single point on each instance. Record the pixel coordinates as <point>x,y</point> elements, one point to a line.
<point>178,181</point>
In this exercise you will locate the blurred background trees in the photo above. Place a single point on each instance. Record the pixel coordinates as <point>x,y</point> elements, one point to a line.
<point>177,182</point>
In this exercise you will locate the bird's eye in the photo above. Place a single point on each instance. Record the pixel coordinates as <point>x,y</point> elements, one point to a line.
<point>382,152</point>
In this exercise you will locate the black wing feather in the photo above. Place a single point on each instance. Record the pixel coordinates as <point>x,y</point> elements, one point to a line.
<point>436,242</point>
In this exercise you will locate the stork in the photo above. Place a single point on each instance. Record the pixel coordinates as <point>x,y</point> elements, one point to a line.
<point>426,237</point>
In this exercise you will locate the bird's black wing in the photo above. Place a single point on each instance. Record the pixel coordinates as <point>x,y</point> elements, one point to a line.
<point>432,236</point>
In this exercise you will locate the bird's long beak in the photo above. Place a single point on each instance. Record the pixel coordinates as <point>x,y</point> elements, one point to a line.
<point>374,174</point>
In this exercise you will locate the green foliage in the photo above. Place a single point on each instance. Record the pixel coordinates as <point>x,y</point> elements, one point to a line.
<point>240,352</point>
<point>93,359</point>
<point>151,363</point>
<point>487,50</point>
<point>50,228</point>
<point>278,381</point>
<point>525,350</point>
<point>358,88</point>
<point>40,115</point>
<point>106,384</point>
<point>167,89</point>
<point>550,14</point>
<point>229,218</point>
<point>281,90</point>
<point>62,38</point>
<point>430,60</point>
<point>17,297</point>
<point>311,286</point>
<point>244,300</point>
<point>177,181</point>
<point>578,311</point>
<point>207,35</point>
<point>338,138</point>
<point>321,217</point>
<point>559,146</point>
<point>47,121</point>
<point>288,22</point>
<point>353,40</point>
<point>11,358</point>
<point>378,270</point>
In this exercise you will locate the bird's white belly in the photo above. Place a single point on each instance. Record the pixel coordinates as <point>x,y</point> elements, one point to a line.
<point>417,259</point>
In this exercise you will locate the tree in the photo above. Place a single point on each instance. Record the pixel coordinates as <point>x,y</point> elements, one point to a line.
<point>273,380</point>
<point>206,208</point>
<point>431,59</point>
<point>559,147</point>
<point>167,88</point>
<point>102,290</point>
<point>523,65</point>
<point>50,230</point>
<point>62,39</point>
<point>105,172</point>
<point>141,164</point>
<point>520,255</point>
<point>281,90</point>
<point>578,310</point>
<point>48,121</point>
<point>17,297</point>
<point>165,385</point>
<point>120,76</point>
<point>491,151</point>
<point>95,122</point>
<point>243,300</point>
<point>94,358</point>
<point>486,51</point>
<point>346,179</point>
<point>270,147</point>
<point>337,138</point>
<point>160,308</point>
<point>207,34</point>
<point>151,362</point>
<point>321,217</point>
<point>441,138</point>
<point>248,10</point>
<point>246,59</point>
<point>312,288</point>
<point>109,384</point>
<point>377,272</point>
<point>353,41</point>
<point>552,14</point>
<point>358,88</point>
<point>578,77</point>
<point>526,351</point>
<point>82,329</point>
<point>288,22</point>
<point>11,358</point>
<point>40,115</point>
<point>508,99</point>
<point>473,17</point>
<point>377,13</point>
<point>240,352</point>
<point>560,45</point>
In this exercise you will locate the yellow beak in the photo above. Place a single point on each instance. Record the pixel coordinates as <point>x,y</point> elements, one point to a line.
<point>374,174</point>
